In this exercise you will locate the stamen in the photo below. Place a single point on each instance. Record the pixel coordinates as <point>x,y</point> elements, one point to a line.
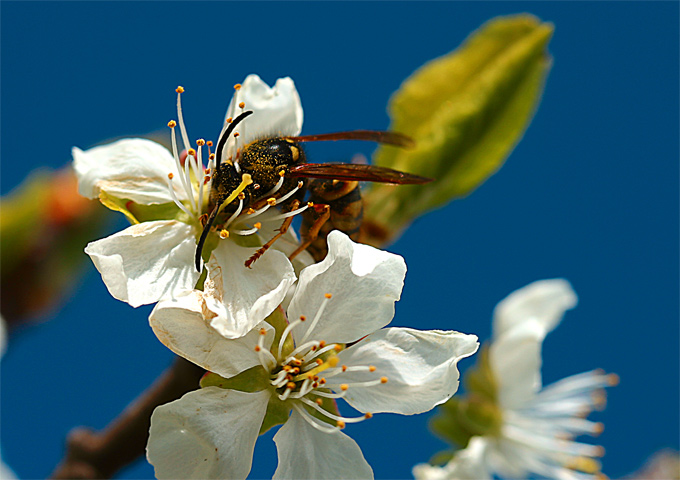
<point>276,188</point>
<point>289,194</point>
<point>286,331</point>
<point>235,214</point>
<point>330,415</point>
<point>316,318</point>
<point>309,419</point>
<point>289,214</point>
<point>182,127</point>
<point>174,196</point>
<point>178,164</point>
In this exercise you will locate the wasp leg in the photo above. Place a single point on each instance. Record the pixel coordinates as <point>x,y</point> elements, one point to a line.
<point>324,212</point>
<point>282,230</point>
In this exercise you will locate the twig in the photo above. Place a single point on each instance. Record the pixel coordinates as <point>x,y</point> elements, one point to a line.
<point>93,455</point>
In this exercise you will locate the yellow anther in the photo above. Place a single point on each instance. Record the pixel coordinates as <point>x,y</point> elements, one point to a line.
<point>328,295</point>
<point>172,124</point>
<point>290,385</point>
<point>341,424</point>
<point>250,211</point>
<point>236,134</point>
<point>224,233</point>
<point>282,173</point>
<point>310,204</point>
<point>584,464</point>
<point>229,120</point>
<point>191,152</point>
<point>613,379</point>
<point>211,156</point>
<point>241,105</point>
<point>338,348</point>
<point>271,201</point>
<point>287,368</point>
<point>258,225</point>
<point>237,86</point>
<point>300,184</point>
<point>344,387</point>
<point>263,331</point>
<point>344,368</point>
<point>302,318</point>
<point>179,89</point>
<point>171,175</point>
<point>598,428</point>
<point>241,196</point>
<point>368,415</point>
<point>383,379</point>
<point>318,361</point>
<point>319,402</point>
<point>295,370</point>
<point>322,381</point>
<point>257,348</point>
<point>322,344</point>
<point>371,368</point>
<point>209,143</point>
<point>297,362</point>
<point>200,142</point>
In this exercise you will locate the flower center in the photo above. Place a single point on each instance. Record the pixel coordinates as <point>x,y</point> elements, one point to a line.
<point>304,376</point>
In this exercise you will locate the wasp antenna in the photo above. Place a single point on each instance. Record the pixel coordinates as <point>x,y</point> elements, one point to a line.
<point>204,235</point>
<point>223,138</point>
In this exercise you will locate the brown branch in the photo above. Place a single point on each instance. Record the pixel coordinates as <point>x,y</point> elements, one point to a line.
<point>93,454</point>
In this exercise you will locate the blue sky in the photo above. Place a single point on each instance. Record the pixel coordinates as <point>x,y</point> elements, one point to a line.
<point>590,194</point>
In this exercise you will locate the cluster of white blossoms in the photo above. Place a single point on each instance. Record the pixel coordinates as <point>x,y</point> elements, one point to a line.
<point>283,341</point>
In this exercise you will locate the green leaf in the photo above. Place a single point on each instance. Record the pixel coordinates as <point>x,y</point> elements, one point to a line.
<point>466,112</point>
<point>254,379</point>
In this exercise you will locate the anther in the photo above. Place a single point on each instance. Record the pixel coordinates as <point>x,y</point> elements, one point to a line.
<point>200,142</point>
<point>271,201</point>
<point>172,124</point>
<point>211,157</point>
<point>258,225</point>
<point>256,186</point>
<point>300,184</point>
<point>241,105</point>
<point>371,368</point>
<point>241,196</point>
<point>250,211</point>
<point>257,348</point>
<point>328,295</point>
<point>303,318</point>
<point>179,89</point>
<point>344,368</point>
<point>341,424</point>
<point>237,86</point>
<point>191,152</point>
<point>383,379</point>
<point>344,387</point>
<point>318,361</point>
<point>224,234</point>
<point>171,175</point>
<point>229,120</point>
<point>290,385</point>
<point>282,173</point>
<point>368,415</point>
<point>338,348</point>
<point>236,134</point>
<point>310,204</point>
<point>263,331</point>
<point>209,143</point>
<point>613,379</point>
<point>319,402</point>
<point>322,344</point>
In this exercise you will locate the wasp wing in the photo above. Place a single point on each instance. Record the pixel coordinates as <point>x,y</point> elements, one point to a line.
<point>353,171</point>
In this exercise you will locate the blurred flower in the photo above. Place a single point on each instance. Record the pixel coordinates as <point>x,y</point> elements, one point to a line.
<point>166,196</point>
<point>510,426</point>
<point>334,346</point>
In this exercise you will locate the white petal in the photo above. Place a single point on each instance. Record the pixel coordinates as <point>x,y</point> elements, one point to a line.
<point>133,168</point>
<point>364,281</point>
<point>241,297</point>
<point>208,433</point>
<point>420,367</point>
<point>147,262</point>
<point>180,325</point>
<point>306,453</point>
<point>277,111</point>
<point>515,359</point>
<point>468,464</point>
<point>545,300</point>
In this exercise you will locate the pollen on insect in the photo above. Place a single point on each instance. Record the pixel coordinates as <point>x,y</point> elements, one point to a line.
<point>224,234</point>
<point>172,124</point>
<point>237,86</point>
<point>180,89</point>
<point>241,105</point>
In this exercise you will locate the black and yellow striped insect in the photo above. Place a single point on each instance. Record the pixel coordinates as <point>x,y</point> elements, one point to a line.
<point>275,171</point>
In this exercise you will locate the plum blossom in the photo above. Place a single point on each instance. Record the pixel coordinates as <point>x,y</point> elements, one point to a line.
<point>166,197</point>
<point>333,346</point>
<point>534,427</point>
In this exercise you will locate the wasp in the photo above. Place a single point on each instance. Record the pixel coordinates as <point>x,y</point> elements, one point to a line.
<point>278,174</point>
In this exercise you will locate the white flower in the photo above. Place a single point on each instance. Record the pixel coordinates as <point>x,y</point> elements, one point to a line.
<point>537,425</point>
<point>334,346</point>
<point>165,197</point>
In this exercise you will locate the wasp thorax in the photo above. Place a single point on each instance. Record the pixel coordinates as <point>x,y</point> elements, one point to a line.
<point>269,158</point>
